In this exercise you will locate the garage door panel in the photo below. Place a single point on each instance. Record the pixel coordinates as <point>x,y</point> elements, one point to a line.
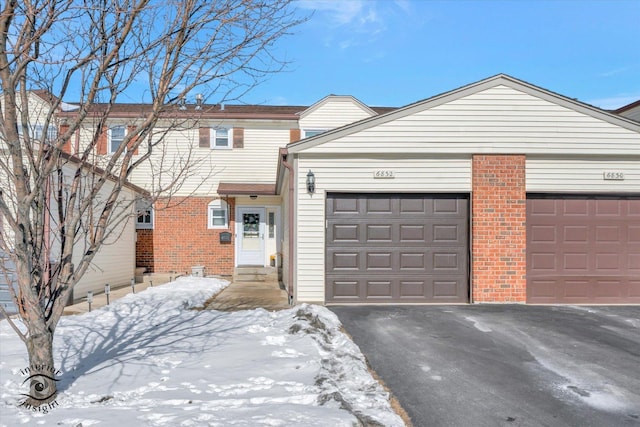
<point>414,233</point>
<point>382,205</point>
<point>379,261</point>
<point>345,232</point>
<point>634,289</point>
<point>583,249</point>
<point>409,248</point>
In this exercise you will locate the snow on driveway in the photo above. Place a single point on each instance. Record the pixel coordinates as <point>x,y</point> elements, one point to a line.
<point>151,359</point>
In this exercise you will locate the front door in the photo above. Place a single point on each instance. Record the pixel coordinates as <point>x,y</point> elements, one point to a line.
<point>250,235</point>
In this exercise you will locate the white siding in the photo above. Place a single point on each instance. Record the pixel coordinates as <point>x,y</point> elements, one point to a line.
<point>115,261</point>
<point>256,162</point>
<point>333,112</point>
<point>286,229</point>
<point>340,174</point>
<point>496,120</point>
<point>581,175</point>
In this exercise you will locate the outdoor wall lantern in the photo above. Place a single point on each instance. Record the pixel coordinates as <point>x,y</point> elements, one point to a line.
<point>311,182</point>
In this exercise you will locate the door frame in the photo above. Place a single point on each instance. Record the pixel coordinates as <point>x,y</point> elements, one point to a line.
<point>238,231</point>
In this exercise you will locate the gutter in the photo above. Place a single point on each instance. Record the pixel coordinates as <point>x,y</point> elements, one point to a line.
<point>283,156</point>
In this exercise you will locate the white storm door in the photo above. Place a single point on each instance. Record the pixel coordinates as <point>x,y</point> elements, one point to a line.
<point>250,225</point>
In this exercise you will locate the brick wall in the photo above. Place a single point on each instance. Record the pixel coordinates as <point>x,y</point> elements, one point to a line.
<point>499,228</point>
<point>144,249</point>
<point>182,239</point>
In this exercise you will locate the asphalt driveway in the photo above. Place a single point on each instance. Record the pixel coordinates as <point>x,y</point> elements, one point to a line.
<point>509,365</point>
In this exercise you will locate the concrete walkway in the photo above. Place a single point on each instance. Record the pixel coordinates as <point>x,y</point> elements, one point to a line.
<point>239,295</point>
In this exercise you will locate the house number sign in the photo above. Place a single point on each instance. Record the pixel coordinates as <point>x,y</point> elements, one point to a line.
<point>383,173</point>
<point>613,176</point>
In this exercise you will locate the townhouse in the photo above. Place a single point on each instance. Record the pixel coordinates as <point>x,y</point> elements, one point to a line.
<point>498,191</point>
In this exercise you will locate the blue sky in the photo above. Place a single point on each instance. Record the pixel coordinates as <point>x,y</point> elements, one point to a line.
<point>392,53</point>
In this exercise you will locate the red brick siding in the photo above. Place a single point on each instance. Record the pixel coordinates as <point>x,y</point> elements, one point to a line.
<point>144,249</point>
<point>182,239</point>
<point>499,228</point>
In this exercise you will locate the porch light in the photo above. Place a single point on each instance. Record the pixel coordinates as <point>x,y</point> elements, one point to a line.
<point>311,182</point>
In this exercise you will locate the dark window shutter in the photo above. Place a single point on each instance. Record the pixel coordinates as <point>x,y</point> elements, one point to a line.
<point>132,141</point>
<point>238,137</point>
<point>205,138</point>
<point>294,135</point>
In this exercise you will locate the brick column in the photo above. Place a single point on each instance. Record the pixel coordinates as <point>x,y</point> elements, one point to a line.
<point>499,228</point>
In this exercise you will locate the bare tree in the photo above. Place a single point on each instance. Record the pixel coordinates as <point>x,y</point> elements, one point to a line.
<point>58,209</point>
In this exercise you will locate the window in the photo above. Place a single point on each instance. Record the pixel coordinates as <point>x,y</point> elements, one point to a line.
<point>144,218</point>
<point>38,131</point>
<point>116,137</point>
<point>220,138</point>
<point>307,133</point>
<point>218,214</point>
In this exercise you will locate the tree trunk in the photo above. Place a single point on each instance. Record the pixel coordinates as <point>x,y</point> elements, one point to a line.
<point>41,373</point>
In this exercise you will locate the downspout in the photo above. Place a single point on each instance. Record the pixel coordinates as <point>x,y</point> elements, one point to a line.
<point>284,153</point>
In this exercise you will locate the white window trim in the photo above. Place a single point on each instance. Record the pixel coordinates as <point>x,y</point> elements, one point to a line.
<point>144,225</point>
<point>217,204</point>
<point>109,148</point>
<point>142,206</point>
<point>213,135</point>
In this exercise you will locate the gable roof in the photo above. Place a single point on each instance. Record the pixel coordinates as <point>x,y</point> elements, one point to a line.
<point>330,98</point>
<point>497,80</point>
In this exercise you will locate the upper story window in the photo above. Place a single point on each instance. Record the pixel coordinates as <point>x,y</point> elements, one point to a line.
<point>218,213</point>
<point>116,136</point>
<point>36,132</point>
<point>144,215</point>
<point>307,133</point>
<point>220,138</point>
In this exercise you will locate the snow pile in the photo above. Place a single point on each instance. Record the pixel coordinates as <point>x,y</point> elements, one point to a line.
<point>151,359</point>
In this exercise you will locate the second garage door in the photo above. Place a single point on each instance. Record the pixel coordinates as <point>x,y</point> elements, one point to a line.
<point>583,249</point>
<point>391,248</point>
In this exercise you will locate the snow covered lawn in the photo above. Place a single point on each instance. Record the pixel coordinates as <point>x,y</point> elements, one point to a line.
<point>151,359</point>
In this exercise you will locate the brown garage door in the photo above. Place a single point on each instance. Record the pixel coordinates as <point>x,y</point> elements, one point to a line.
<point>390,248</point>
<point>583,249</point>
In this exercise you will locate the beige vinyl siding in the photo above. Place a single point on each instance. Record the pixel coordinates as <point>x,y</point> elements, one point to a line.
<point>333,112</point>
<point>114,262</point>
<point>256,162</point>
<point>496,120</point>
<point>340,174</point>
<point>582,175</point>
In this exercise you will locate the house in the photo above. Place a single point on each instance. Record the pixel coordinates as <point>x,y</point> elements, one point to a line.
<point>114,263</point>
<point>498,191</point>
